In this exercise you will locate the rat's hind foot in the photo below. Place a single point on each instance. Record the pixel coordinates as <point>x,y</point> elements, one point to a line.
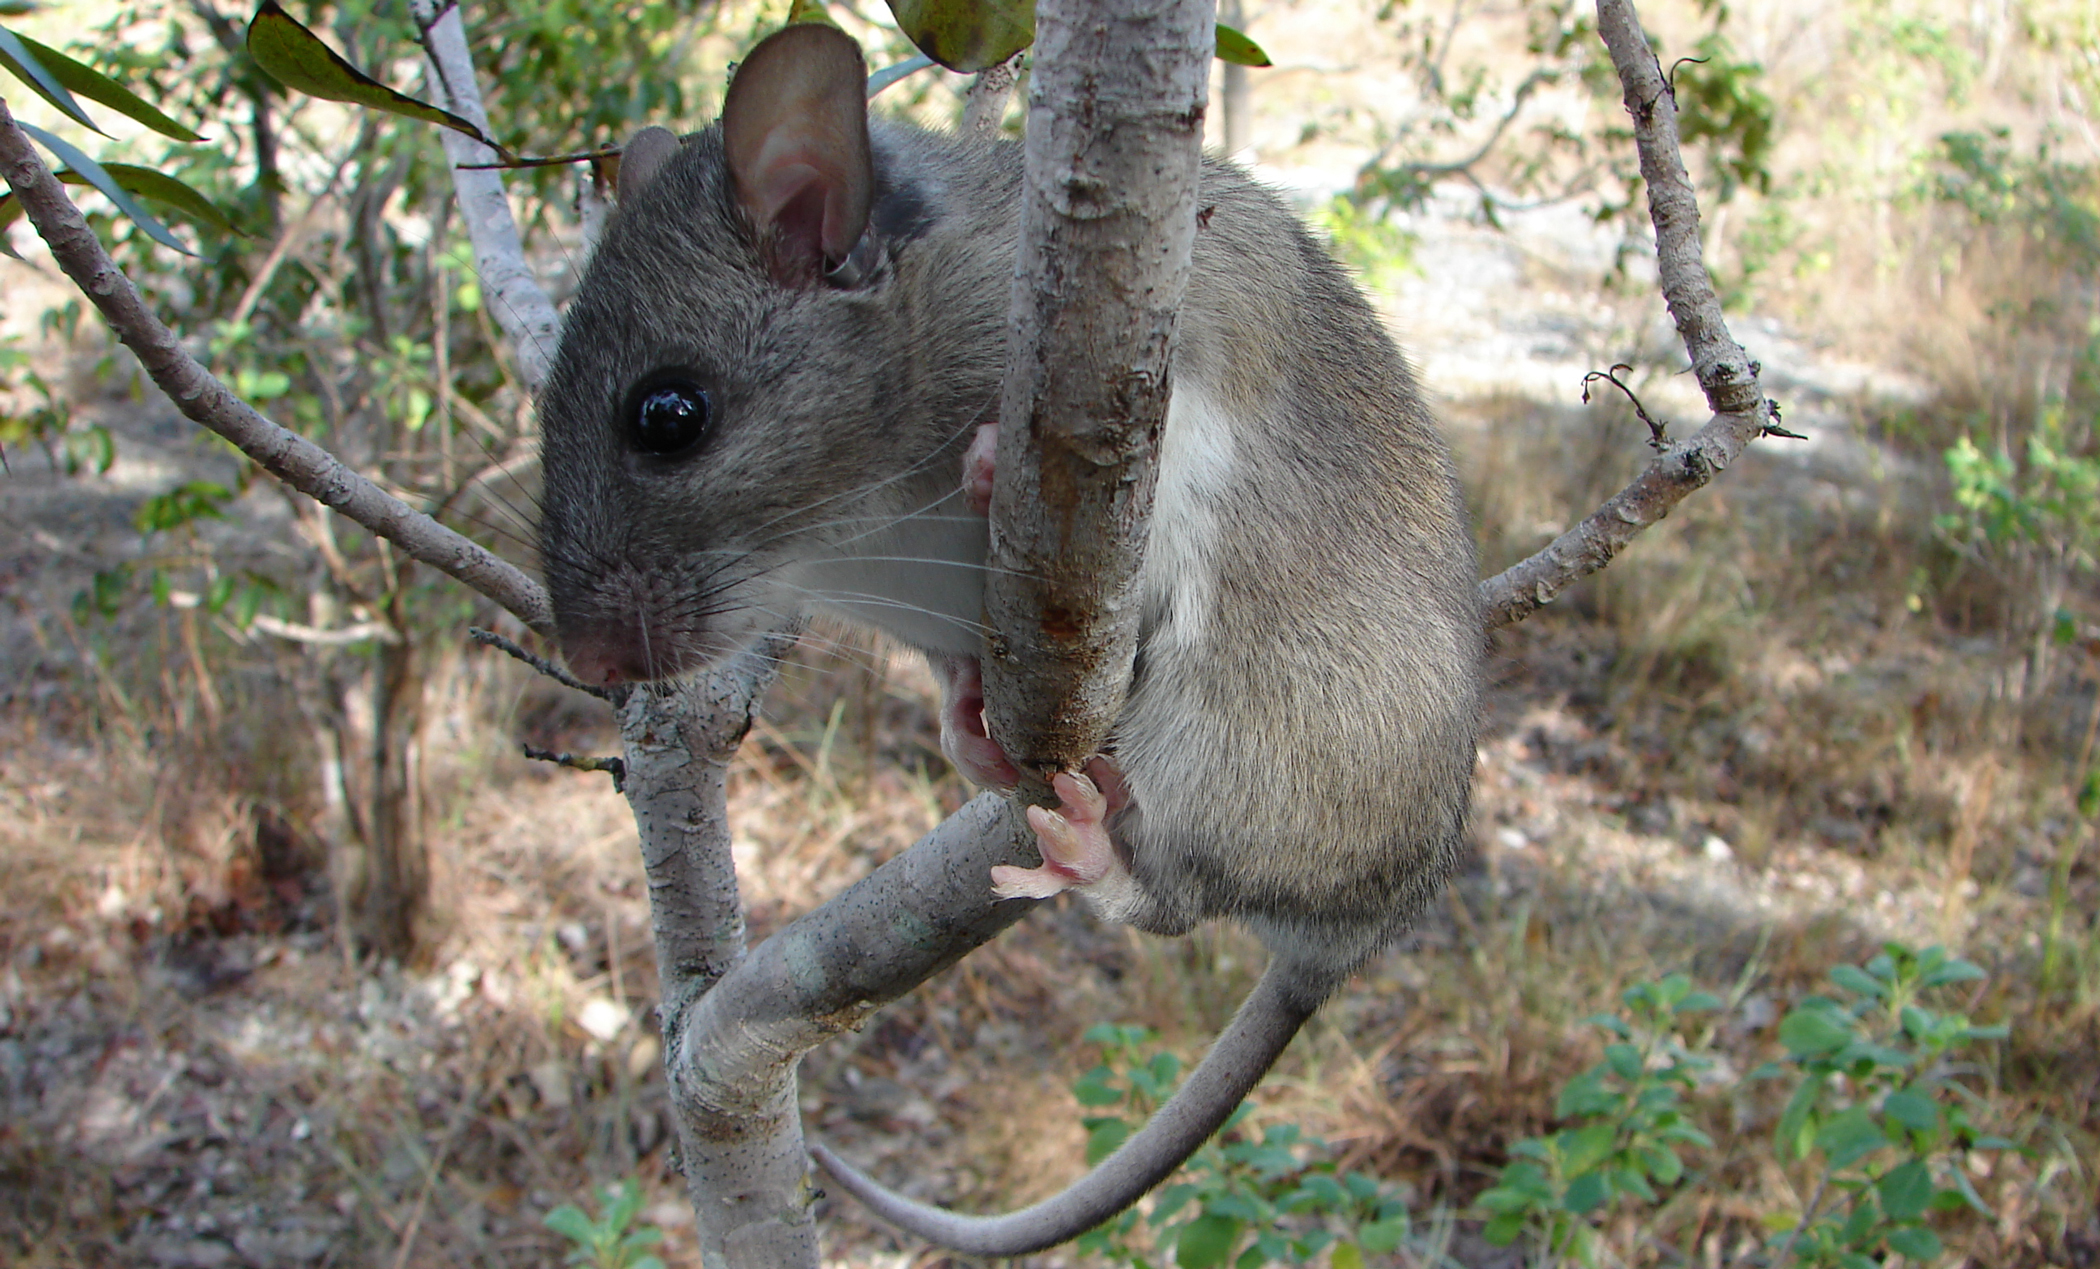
<point>1074,840</point>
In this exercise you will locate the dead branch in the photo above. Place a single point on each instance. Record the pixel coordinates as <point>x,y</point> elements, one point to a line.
<point>1726,373</point>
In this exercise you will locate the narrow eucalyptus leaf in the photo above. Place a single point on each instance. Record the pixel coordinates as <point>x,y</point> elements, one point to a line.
<point>107,185</point>
<point>10,212</point>
<point>96,86</point>
<point>296,58</point>
<point>16,57</point>
<point>151,183</point>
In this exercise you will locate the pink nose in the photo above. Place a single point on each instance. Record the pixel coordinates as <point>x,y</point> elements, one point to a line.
<point>608,657</point>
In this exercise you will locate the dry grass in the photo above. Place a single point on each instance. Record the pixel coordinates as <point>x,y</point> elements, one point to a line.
<point>190,1058</point>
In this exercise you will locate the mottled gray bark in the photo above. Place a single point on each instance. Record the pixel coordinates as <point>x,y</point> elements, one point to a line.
<point>984,107</point>
<point>1114,150</point>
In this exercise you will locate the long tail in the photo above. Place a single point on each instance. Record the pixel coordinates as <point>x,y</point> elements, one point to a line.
<point>1272,1013</point>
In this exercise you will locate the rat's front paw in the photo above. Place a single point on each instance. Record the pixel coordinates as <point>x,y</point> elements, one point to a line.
<point>964,739</point>
<point>1074,841</point>
<point>978,467</point>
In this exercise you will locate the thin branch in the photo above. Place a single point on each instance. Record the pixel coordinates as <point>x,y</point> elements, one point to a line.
<point>490,639</point>
<point>1657,440</point>
<point>290,457</point>
<point>614,767</point>
<point>514,296</point>
<point>1725,372</point>
<point>984,108</point>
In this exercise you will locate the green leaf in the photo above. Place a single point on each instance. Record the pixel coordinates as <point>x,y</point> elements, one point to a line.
<point>1953,971</point>
<point>96,86</point>
<point>1385,1236</point>
<point>569,1221</point>
<point>107,185</point>
<point>1905,1191</point>
<point>296,58</point>
<point>1663,1165</point>
<point>1625,1060</point>
<point>10,212</point>
<point>1913,1110</point>
<point>1503,1230</point>
<point>1858,981</point>
<point>1096,1089</point>
<point>1792,1135</point>
<point>1102,1138</point>
<point>1587,1193</point>
<point>1698,1002</point>
<point>1813,1032</point>
<point>1586,1147</point>
<point>1346,1256</point>
<point>1206,1241</point>
<point>967,35</point>
<point>1237,49</point>
<point>1850,1137</point>
<point>1916,1242</point>
<point>25,66</point>
<point>147,183</point>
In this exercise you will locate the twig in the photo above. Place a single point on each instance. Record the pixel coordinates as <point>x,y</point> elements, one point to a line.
<point>514,296</point>
<point>984,107</point>
<point>200,395</point>
<point>490,639</point>
<point>1808,1214</point>
<point>613,767</point>
<point>1656,440</point>
<point>1725,372</point>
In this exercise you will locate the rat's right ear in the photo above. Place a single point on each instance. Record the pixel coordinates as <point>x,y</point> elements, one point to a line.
<point>642,158</point>
<point>795,126</point>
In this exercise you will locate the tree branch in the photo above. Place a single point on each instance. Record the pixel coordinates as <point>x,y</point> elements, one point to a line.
<point>514,296</point>
<point>1108,220</point>
<point>199,394</point>
<point>1725,372</point>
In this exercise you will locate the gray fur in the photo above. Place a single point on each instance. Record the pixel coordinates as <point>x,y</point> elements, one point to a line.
<point>1299,736</point>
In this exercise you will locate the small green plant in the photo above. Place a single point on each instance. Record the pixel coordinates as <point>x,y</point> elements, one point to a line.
<point>605,1243</point>
<point>1239,1201</point>
<point>1625,1128</point>
<point>1877,1116</point>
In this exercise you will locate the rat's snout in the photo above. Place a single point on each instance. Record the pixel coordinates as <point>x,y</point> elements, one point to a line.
<point>614,629</point>
<point>604,657</point>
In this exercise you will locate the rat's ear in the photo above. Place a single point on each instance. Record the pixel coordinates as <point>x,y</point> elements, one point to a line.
<point>795,126</point>
<point>642,157</point>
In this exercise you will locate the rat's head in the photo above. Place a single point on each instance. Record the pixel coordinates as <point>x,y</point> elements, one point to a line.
<point>734,389</point>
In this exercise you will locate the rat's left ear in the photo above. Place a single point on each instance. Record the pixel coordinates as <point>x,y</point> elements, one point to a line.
<point>795,125</point>
<point>642,158</point>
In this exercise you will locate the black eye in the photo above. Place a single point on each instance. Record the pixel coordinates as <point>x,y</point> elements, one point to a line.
<point>668,416</point>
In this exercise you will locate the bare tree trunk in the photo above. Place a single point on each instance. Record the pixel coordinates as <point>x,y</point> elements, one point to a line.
<point>397,862</point>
